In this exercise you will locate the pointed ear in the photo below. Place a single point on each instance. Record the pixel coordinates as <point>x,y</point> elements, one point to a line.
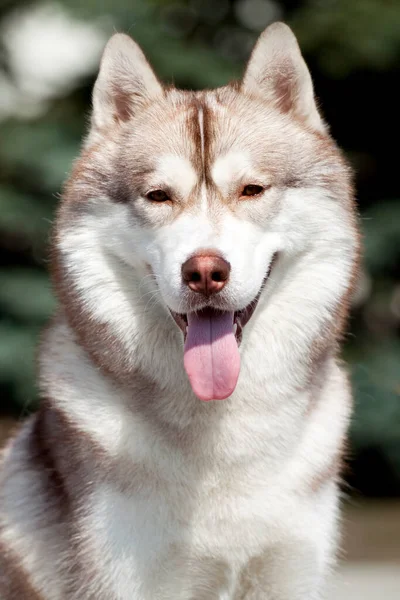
<point>125,82</point>
<point>277,71</point>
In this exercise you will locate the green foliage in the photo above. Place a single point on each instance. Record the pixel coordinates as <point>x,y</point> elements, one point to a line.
<point>346,35</point>
<point>26,295</point>
<point>381,226</point>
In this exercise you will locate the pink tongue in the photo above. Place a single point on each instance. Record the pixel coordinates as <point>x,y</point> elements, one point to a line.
<point>211,359</point>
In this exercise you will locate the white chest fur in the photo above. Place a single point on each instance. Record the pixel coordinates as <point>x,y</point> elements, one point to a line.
<point>173,539</point>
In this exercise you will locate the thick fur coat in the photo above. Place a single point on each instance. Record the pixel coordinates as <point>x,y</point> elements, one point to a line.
<point>125,485</point>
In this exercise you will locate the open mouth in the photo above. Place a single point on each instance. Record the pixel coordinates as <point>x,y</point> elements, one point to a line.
<point>240,317</point>
<point>212,338</point>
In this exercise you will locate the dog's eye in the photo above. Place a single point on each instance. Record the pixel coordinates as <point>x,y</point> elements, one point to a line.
<point>251,190</point>
<point>157,196</point>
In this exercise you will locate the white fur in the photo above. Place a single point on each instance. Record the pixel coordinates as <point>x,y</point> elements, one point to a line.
<point>233,166</point>
<point>177,172</point>
<point>202,141</point>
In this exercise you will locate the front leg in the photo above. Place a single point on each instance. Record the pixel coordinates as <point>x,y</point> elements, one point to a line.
<point>287,572</point>
<point>297,567</point>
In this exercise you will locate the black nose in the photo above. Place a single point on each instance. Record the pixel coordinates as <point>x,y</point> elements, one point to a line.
<point>206,274</point>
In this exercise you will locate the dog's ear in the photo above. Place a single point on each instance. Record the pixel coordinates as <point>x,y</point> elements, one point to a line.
<point>125,82</point>
<point>277,71</point>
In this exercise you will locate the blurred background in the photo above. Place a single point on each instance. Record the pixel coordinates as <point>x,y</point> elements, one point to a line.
<point>49,55</point>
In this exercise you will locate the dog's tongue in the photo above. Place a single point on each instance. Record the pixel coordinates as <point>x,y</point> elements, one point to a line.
<point>212,359</point>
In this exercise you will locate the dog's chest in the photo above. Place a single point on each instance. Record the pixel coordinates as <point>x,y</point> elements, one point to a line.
<point>177,542</point>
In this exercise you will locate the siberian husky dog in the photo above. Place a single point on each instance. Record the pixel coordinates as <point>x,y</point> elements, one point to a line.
<point>194,410</point>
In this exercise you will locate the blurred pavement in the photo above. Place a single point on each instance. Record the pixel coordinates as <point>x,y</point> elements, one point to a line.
<point>371,552</point>
<point>367,581</point>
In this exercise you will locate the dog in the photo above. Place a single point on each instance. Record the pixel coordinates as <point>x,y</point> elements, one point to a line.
<point>194,409</point>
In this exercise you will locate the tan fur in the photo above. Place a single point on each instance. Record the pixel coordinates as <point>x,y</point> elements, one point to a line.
<point>14,581</point>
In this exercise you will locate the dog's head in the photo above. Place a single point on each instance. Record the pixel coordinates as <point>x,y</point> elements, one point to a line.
<point>203,195</point>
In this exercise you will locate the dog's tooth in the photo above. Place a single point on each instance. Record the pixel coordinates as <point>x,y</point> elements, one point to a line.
<point>235,328</point>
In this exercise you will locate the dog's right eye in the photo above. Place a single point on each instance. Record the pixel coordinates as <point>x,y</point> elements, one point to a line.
<point>157,196</point>
<point>251,190</point>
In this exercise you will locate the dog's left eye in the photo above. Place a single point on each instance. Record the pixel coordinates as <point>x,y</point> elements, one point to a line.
<point>157,196</point>
<point>252,190</point>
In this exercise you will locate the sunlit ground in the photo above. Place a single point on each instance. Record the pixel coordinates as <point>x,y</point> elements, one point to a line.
<point>371,564</point>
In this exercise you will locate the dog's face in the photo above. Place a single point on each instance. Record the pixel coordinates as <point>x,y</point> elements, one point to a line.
<point>206,178</point>
<point>208,191</point>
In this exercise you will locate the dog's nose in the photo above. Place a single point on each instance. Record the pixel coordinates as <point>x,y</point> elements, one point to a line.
<point>206,273</point>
